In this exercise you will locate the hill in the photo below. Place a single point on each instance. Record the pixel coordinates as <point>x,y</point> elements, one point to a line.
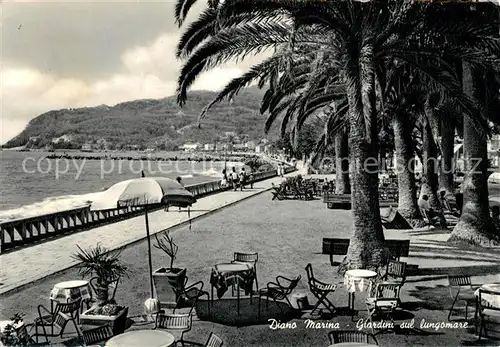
<point>147,122</point>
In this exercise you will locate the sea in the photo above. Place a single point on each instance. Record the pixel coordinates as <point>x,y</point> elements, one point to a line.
<point>31,184</point>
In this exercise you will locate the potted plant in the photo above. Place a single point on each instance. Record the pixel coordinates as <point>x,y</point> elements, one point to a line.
<point>15,333</point>
<point>170,281</point>
<point>106,267</point>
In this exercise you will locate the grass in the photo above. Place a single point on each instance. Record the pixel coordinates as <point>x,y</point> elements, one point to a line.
<point>287,235</point>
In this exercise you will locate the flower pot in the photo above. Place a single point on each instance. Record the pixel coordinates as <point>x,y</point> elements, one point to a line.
<point>168,284</point>
<point>117,321</point>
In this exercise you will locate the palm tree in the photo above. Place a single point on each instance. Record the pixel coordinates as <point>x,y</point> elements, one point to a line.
<point>475,225</point>
<point>357,37</point>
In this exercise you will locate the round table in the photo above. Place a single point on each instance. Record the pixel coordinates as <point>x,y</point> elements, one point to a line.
<point>225,274</point>
<point>70,291</point>
<point>358,280</point>
<point>143,338</point>
<point>491,300</point>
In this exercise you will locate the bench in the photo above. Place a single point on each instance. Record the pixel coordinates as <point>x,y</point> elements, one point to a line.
<point>333,246</point>
<point>343,201</point>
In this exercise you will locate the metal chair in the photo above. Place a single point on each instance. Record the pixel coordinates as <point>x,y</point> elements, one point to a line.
<point>320,290</point>
<point>58,318</point>
<point>278,290</point>
<point>214,341</point>
<point>247,258</point>
<point>97,334</point>
<point>487,314</point>
<point>175,322</point>
<point>385,302</point>
<point>191,294</point>
<point>346,336</point>
<point>464,293</point>
<point>395,272</point>
<point>426,218</point>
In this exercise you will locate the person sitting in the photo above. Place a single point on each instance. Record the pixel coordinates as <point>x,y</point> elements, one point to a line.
<point>425,207</point>
<point>445,204</point>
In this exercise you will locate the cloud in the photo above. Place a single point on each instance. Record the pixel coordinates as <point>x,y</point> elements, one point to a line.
<point>148,71</point>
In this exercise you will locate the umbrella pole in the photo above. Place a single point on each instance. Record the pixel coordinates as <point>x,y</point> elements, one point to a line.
<point>149,251</point>
<point>189,216</point>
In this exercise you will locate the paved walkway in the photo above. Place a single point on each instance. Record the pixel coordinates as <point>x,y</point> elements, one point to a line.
<point>26,265</point>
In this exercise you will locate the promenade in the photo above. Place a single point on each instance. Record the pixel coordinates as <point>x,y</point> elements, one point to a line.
<point>35,262</point>
<point>288,235</point>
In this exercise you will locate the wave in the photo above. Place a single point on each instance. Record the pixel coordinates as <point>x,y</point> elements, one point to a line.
<point>49,205</point>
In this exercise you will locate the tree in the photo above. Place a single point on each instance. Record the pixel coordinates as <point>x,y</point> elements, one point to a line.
<point>475,225</point>
<point>356,37</point>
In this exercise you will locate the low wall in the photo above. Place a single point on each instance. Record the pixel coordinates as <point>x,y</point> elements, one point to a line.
<point>27,231</point>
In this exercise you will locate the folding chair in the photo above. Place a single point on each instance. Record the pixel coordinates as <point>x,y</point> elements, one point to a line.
<point>350,336</point>
<point>97,334</point>
<point>176,323</point>
<point>426,218</point>
<point>247,258</point>
<point>191,294</point>
<point>464,293</point>
<point>385,302</point>
<point>58,318</point>
<point>320,290</point>
<point>279,290</point>
<point>395,272</point>
<point>487,313</point>
<point>213,341</point>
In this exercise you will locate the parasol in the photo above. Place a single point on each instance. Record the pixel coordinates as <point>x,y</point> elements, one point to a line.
<point>145,192</point>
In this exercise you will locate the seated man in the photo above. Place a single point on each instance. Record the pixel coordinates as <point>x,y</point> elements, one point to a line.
<point>445,204</point>
<point>423,204</point>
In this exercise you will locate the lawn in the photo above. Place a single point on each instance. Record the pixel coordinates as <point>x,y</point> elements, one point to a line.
<point>287,235</point>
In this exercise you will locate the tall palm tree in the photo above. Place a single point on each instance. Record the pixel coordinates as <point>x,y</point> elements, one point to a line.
<point>356,36</point>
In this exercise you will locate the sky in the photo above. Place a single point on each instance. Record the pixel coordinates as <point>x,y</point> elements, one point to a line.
<point>64,54</point>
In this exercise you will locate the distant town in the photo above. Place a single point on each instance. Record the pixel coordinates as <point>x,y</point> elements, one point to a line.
<point>229,142</point>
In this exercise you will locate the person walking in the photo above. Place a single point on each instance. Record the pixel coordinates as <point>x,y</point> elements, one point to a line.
<point>234,178</point>
<point>179,180</point>
<point>224,178</point>
<point>251,178</point>
<point>243,178</point>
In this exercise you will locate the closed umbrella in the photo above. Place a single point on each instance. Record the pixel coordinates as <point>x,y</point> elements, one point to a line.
<point>145,192</point>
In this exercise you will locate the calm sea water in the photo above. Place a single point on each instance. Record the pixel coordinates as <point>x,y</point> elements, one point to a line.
<point>28,177</point>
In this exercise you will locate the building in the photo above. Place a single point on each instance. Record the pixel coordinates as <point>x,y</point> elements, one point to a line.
<point>191,147</point>
<point>64,138</point>
<point>87,147</point>
<point>259,148</point>
<point>209,147</point>
<point>250,145</point>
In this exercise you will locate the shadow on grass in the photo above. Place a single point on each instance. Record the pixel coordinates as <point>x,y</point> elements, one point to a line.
<point>428,232</point>
<point>431,298</point>
<point>225,311</point>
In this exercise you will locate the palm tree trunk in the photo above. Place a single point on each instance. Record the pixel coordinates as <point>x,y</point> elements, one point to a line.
<point>447,145</point>
<point>101,294</point>
<point>366,248</point>
<point>475,225</point>
<point>342,184</point>
<point>430,166</point>
<point>405,168</point>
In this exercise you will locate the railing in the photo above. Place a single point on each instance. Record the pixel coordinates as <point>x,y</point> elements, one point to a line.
<point>26,231</point>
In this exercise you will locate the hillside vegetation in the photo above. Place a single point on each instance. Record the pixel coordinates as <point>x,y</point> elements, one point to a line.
<point>149,122</point>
